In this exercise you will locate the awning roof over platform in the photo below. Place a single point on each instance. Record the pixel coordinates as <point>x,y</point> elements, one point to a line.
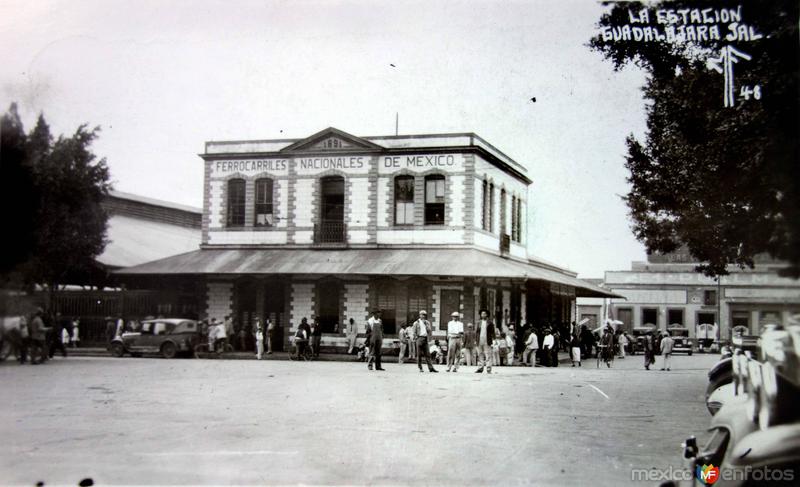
<point>371,262</point>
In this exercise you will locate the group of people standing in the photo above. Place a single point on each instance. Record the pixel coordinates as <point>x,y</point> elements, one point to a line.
<point>471,345</point>
<point>35,339</point>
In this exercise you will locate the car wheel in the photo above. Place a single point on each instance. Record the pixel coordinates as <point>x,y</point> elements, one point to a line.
<point>169,350</point>
<point>117,349</point>
<point>690,353</point>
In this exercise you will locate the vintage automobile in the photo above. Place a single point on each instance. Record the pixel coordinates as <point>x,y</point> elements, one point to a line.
<point>682,343</point>
<point>759,427</point>
<point>169,337</point>
<point>638,334</point>
<point>707,335</point>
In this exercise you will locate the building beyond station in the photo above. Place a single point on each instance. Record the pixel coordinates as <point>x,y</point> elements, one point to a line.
<point>333,226</point>
<point>666,291</point>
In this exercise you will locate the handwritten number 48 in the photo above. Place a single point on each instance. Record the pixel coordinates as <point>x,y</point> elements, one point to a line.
<point>746,92</point>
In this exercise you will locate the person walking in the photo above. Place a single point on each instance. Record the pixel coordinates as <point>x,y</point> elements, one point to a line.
<point>649,352</point>
<point>316,336</point>
<point>376,339</point>
<point>352,334</point>
<point>259,336</point>
<point>547,348</point>
<point>622,340</point>
<point>511,341</point>
<point>667,343</point>
<point>485,337</point>
<point>455,337</point>
<point>421,333</point>
<point>531,349</point>
<point>402,336</point>
<point>575,344</point>
<point>76,336</point>
<point>60,332</point>
<point>470,346</point>
<point>270,335</point>
<point>38,338</point>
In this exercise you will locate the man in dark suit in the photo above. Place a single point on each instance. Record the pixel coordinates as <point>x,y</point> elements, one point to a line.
<point>485,337</point>
<point>376,338</point>
<point>421,333</point>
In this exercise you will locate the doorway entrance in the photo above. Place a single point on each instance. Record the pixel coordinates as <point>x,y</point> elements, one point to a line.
<point>329,294</point>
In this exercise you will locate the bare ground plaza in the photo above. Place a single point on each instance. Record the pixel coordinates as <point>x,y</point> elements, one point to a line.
<point>155,421</point>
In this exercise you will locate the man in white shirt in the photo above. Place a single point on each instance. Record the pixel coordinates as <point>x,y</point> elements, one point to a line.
<point>531,347</point>
<point>455,337</point>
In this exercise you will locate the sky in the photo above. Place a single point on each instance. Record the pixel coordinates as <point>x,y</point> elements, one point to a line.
<point>162,77</point>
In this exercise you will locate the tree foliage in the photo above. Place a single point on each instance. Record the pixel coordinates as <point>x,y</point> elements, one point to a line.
<point>65,186</point>
<point>723,181</point>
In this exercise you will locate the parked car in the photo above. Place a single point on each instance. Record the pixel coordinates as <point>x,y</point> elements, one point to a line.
<point>707,335</point>
<point>758,427</point>
<point>169,337</point>
<point>682,341</point>
<point>638,334</point>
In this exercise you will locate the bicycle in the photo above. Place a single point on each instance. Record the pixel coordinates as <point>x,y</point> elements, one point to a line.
<point>307,354</point>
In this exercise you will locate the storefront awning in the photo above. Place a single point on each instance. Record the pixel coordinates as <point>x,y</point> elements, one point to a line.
<point>370,262</point>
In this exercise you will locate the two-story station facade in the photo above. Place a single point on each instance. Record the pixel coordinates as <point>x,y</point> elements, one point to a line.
<point>333,226</point>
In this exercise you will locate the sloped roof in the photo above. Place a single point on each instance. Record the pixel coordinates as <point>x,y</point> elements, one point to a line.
<point>135,241</point>
<point>399,262</point>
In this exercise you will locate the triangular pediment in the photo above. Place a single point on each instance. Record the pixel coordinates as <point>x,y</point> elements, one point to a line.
<point>333,140</point>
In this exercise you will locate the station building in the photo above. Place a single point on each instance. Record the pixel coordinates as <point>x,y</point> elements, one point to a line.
<point>666,291</point>
<point>333,226</point>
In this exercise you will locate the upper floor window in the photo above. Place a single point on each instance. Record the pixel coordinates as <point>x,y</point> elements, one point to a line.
<point>485,205</point>
<point>263,206</point>
<point>490,226</point>
<point>404,200</point>
<point>514,222</point>
<point>236,203</point>
<point>503,212</point>
<point>434,200</point>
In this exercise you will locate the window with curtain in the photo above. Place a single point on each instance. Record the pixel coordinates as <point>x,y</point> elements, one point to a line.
<point>404,200</point>
<point>434,200</point>
<point>264,216</point>
<point>236,203</point>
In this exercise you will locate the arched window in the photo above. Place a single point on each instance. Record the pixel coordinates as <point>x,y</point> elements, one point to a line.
<point>264,216</point>
<point>434,200</point>
<point>404,200</point>
<point>236,203</point>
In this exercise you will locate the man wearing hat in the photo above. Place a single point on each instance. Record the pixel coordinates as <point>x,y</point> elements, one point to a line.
<point>455,335</point>
<point>421,333</point>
